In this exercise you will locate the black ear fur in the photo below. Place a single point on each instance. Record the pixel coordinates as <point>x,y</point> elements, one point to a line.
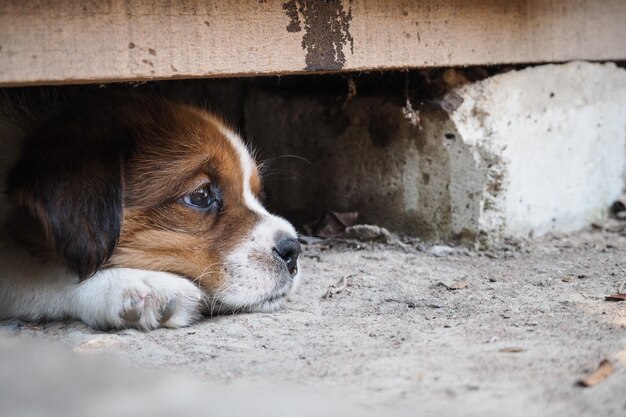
<point>74,187</point>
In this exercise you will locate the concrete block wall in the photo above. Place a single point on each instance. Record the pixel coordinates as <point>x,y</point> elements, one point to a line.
<point>551,141</point>
<point>521,153</point>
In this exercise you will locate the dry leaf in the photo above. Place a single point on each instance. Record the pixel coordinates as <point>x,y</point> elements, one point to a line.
<point>615,297</point>
<point>333,223</point>
<point>512,350</point>
<point>604,369</point>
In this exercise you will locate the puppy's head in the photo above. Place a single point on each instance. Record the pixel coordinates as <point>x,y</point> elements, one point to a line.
<point>126,181</point>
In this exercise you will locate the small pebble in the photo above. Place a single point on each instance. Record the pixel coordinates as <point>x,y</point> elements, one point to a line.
<point>440,250</point>
<point>11,327</point>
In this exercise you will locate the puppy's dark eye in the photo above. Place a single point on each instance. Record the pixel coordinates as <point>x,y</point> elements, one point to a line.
<point>204,198</point>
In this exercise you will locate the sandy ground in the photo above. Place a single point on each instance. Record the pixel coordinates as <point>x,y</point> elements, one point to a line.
<point>526,322</point>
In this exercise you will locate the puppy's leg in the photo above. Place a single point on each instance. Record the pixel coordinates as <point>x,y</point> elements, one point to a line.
<point>112,298</point>
<point>123,297</point>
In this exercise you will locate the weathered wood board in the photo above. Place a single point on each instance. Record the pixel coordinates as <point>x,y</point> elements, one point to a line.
<point>75,41</point>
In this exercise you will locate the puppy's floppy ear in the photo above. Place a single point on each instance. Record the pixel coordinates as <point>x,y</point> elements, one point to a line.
<point>74,188</point>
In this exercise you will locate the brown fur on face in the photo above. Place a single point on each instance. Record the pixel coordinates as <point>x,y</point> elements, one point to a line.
<point>105,181</point>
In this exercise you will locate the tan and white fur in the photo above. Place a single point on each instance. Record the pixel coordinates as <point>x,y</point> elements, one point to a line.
<point>127,211</point>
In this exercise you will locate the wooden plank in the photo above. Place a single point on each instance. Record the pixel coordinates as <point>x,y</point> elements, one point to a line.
<point>75,41</point>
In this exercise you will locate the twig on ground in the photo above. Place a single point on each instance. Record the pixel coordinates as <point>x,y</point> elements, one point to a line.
<point>456,285</point>
<point>620,296</point>
<point>338,287</point>
<point>604,369</point>
<point>512,350</point>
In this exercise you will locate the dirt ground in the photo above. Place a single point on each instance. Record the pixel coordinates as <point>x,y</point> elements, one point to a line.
<point>417,330</point>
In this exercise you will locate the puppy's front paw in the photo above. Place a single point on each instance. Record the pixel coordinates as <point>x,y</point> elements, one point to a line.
<point>139,299</point>
<point>160,301</point>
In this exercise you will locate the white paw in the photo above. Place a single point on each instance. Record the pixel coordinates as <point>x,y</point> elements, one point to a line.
<point>123,298</point>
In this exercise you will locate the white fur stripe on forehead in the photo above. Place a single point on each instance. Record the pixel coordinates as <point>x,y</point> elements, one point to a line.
<point>247,166</point>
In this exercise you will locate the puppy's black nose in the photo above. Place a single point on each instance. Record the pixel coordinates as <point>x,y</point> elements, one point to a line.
<point>288,250</point>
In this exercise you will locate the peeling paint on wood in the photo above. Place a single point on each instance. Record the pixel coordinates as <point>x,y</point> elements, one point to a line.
<point>326,31</point>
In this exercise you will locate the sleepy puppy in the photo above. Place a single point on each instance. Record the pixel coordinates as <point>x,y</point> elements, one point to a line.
<point>127,211</point>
